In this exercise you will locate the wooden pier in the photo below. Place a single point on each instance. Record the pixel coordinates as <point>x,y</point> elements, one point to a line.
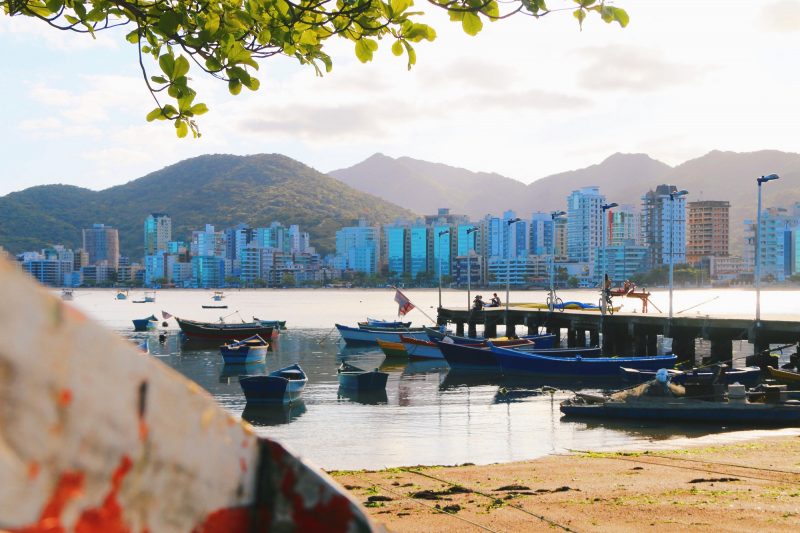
<point>630,333</point>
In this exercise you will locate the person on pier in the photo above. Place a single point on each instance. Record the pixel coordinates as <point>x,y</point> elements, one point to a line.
<point>495,301</point>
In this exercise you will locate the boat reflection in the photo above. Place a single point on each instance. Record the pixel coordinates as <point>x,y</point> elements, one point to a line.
<point>273,415</point>
<point>394,364</point>
<point>455,379</point>
<point>656,431</point>
<point>425,366</point>
<point>231,372</point>
<point>532,382</point>
<point>375,397</point>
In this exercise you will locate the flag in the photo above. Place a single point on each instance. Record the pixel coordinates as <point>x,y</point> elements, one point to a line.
<point>404,303</point>
<point>165,315</point>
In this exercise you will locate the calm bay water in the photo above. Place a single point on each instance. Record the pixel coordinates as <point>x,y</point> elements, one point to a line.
<point>428,415</point>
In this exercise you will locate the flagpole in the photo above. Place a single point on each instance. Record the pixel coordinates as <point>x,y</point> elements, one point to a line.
<point>412,303</point>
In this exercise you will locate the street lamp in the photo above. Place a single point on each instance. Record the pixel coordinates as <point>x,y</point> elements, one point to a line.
<point>762,179</point>
<point>551,299</point>
<point>443,232</point>
<point>604,207</point>
<point>470,231</point>
<point>672,196</point>
<point>509,222</point>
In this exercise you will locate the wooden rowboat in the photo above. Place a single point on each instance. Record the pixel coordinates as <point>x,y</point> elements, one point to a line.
<point>784,376</point>
<point>392,349</point>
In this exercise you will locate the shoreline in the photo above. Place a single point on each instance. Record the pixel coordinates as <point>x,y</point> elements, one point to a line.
<point>748,484</point>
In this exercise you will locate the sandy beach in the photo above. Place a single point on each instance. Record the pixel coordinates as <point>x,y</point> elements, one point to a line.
<point>752,485</point>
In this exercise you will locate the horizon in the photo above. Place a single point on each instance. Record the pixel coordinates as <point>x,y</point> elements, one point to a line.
<point>675,84</point>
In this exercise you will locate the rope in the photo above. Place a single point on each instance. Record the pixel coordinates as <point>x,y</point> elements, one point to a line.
<point>697,305</point>
<point>429,506</point>
<point>708,470</point>
<point>493,497</point>
<point>326,336</point>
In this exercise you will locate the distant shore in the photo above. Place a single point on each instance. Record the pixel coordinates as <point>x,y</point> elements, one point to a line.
<point>752,485</point>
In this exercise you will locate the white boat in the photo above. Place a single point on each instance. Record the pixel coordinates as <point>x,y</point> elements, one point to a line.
<point>421,349</point>
<point>218,296</point>
<point>370,336</point>
<point>67,295</point>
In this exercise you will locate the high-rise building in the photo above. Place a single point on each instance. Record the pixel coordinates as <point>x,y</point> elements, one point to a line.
<point>541,234</point>
<point>776,236</point>
<point>395,238</point>
<point>208,243</point>
<point>418,250</point>
<point>664,226</point>
<point>560,239</point>
<point>707,230</point>
<point>624,226</point>
<point>584,224</point>
<point>101,242</point>
<point>358,248</point>
<point>157,233</point>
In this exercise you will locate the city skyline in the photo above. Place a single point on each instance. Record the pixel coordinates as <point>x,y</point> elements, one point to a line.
<point>653,87</point>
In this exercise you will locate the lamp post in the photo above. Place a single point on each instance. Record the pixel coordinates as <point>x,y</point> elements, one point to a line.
<point>604,265</point>
<point>551,301</point>
<point>762,179</point>
<point>672,196</point>
<point>443,232</point>
<point>470,231</point>
<point>509,222</point>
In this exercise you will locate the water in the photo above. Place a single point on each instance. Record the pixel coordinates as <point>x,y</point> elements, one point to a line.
<point>427,414</point>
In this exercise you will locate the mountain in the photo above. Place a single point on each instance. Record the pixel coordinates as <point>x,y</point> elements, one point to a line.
<point>222,190</point>
<point>423,186</point>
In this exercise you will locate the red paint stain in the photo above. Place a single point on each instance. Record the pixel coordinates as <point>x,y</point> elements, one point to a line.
<point>243,465</point>
<point>144,429</point>
<point>33,470</point>
<point>65,397</point>
<point>233,520</point>
<point>332,516</point>
<point>104,519</point>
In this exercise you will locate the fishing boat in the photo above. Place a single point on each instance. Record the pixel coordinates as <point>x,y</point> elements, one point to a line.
<point>749,376</point>
<point>375,323</point>
<point>480,356</point>
<point>222,331</point>
<point>420,349</point>
<point>354,378</point>
<point>67,295</point>
<point>122,295</point>
<point>150,297</point>
<point>281,386</point>
<point>276,325</point>
<point>515,362</point>
<point>546,340</point>
<point>250,350</point>
<point>784,376</point>
<point>145,324</point>
<point>218,296</point>
<point>736,409</point>
<point>392,349</point>
<point>223,306</point>
<point>355,336</point>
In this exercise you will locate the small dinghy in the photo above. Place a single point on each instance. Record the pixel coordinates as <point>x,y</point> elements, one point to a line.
<point>145,324</point>
<point>250,350</point>
<point>282,386</point>
<point>356,379</point>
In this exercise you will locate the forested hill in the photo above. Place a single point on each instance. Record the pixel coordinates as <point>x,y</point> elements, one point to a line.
<point>222,190</point>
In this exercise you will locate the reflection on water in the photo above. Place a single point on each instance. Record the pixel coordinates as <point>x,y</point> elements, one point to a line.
<point>363,397</point>
<point>273,415</point>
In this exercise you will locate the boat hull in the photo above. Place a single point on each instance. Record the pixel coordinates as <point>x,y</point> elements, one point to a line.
<point>784,376</point>
<point>539,341</point>
<point>145,324</point>
<point>363,381</point>
<point>222,332</point>
<point>244,354</point>
<point>392,349</point>
<point>683,410</point>
<point>357,336</point>
<point>750,377</point>
<point>274,387</point>
<point>419,349</point>
<point>516,362</point>
<point>466,358</point>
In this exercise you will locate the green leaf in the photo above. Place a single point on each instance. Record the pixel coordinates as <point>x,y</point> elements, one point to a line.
<point>181,67</point>
<point>168,22</point>
<point>235,86</point>
<point>621,16</point>
<point>309,37</point>
<point>398,6</point>
<point>159,79</point>
<point>364,49</point>
<point>212,23</point>
<point>54,5</point>
<point>181,128</point>
<point>397,48</point>
<point>491,10</point>
<point>471,23</point>
<point>155,114</point>
<point>169,111</point>
<point>412,54</point>
<point>199,109</point>
<point>579,14</point>
<point>167,64</point>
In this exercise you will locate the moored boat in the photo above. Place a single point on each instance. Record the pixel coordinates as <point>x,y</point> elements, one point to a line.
<point>145,324</point>
<point>468,357</point>
<point>749,376</point>
<point>515,361</point>
<point>354,378</point>
<point>392,349</point>
<point>221,331</point>
<point>784,376</point>
<point>420,349</point>
<point>250,350</point>
<point>353,336</point>
<point>375,323</point>
<point>67,295</point>
<point>218,296</point>
<point>281,386</point>
<point>122,295</point>
<point>223,306</point>
<point>546,340</point>
<point>276,325</point>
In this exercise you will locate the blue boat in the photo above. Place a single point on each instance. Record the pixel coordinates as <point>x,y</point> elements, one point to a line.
<point>480,357</point>
<point>353,378</point>
<point>546,340</point>
<point>516,362</point>
<point>749,376</point>
<point>375,323</point>
<point>282,386</point>
<point>655,409</point>
<point>355,336</point>
<point>144,324</point>
<point>250,350</point>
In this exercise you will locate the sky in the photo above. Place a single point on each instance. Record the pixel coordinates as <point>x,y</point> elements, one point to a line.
<point>525,98</point>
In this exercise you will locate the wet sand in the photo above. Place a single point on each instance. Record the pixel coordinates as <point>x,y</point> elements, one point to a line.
<point>751,485</point>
